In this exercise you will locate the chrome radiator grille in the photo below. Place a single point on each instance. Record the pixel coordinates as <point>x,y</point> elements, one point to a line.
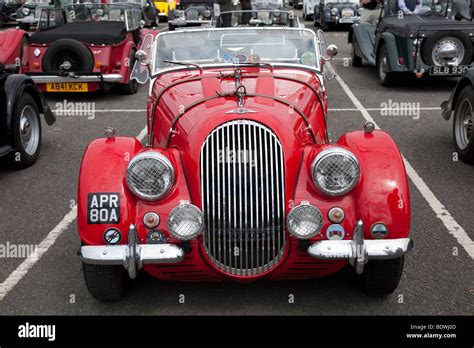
<point>242,183</point>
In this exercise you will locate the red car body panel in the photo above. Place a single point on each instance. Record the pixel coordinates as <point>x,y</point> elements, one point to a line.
<point>194,104</point>
<point>10,45</point>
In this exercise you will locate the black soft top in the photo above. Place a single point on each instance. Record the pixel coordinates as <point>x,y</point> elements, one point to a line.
<point>411,24</point>
<point>97,33</point>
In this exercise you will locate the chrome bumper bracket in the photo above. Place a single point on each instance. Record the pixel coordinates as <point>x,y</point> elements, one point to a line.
<point>359,251</point>
<point>133,255</point>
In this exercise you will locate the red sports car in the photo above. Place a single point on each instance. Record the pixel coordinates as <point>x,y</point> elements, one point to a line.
<point>83,47</point>
<point>238,179</point>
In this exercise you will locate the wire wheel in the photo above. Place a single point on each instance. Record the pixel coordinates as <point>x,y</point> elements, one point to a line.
<point>67,60</point>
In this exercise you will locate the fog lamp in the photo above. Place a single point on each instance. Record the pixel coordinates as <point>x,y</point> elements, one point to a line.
<point>305,221</point>
<point>185,221</point>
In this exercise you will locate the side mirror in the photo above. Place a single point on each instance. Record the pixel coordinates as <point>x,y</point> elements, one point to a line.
<point>331,52</point>
<point>142,57</point>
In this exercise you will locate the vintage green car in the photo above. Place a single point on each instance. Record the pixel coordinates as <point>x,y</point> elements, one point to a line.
<point>413,37</point>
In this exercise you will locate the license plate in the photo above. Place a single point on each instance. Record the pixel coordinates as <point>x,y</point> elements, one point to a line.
<point>448,70</point>
<point>67,87</point>
<point>346,20</point>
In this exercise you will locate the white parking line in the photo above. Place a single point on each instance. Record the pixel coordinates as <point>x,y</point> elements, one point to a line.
<point>441,212</point>
<point>13,279</point>
<point>432,108</point>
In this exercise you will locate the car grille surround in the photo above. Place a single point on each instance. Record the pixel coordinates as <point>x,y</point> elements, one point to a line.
<point>242,185</point>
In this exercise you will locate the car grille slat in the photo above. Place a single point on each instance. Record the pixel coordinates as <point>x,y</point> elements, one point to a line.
<point>242,183</point>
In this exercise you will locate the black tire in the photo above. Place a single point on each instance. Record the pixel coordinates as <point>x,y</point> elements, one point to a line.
<point>355,59</point>
<point>106,283</point>
<point>24,155</point>
<point>132,86</point>
<point>463,111</point>
<point>386,78</point>
<point>82,58</point>
<point>381,277</point>
<point>429,43</point>
<point>2,21</point>
<point>171,27</point>
<point>24,26</point>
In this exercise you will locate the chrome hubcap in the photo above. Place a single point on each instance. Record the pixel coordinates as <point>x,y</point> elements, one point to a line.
<point>463,124</point>
<point>29,129</point>
<point>448,51</point>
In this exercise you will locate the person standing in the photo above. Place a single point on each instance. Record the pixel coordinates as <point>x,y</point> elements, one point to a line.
<point>226,18</point>
<point>370,11</point>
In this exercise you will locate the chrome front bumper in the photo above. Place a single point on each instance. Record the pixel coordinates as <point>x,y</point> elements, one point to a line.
<point>359,251</point>
<point>132,256</point>
<point>76,78</point>
<point>27,20</point>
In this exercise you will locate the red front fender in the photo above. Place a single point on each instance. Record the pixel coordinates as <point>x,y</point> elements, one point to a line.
<point>382,194</point>
<point>10,45</point>
<point>103,170</point>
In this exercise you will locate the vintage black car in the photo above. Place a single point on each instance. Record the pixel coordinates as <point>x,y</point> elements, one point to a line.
<point>27,14</point>
<point>461,107</point>
<point>21,105</point>
<point>8,10</point>
<point>328,14</point>
<point>425,42</point>
<point>192,13</point>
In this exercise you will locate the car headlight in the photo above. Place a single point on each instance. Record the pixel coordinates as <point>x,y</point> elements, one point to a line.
<point>206,14</point>
<point>334,11</point>
<point>336,171</point>
<point>150,176</point>
<point>26,11</point>
<point>305,221</point>
<point>185,221</point>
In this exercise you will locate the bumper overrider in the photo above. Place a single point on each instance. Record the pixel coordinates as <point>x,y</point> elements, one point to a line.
<point>357,251</point>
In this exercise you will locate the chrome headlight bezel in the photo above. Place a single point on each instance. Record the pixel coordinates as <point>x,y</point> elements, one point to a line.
<point>327,154</point>
<point>162,160</point>
<point>25,11</point>
<point>334,11</point>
